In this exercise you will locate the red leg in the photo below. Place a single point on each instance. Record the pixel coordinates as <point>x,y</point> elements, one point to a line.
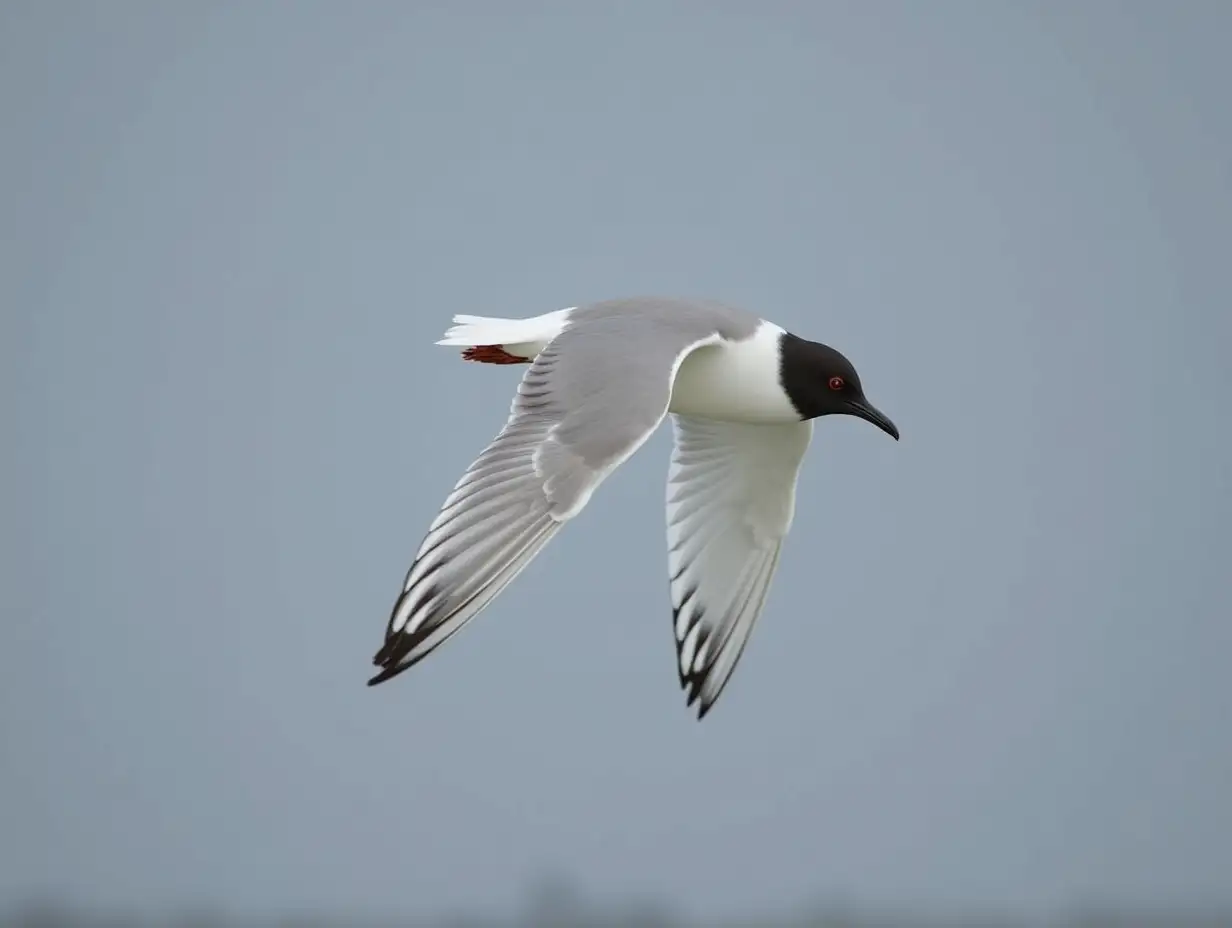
<point>492,354</point>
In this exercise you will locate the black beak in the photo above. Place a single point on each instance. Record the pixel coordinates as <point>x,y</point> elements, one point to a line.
<point>870,413</point>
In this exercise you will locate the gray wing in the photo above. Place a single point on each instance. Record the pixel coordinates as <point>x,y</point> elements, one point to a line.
<point>589,400</point>
<point>730,501</point>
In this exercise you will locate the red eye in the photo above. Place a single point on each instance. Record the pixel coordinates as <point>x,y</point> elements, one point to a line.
<point>836,383</point>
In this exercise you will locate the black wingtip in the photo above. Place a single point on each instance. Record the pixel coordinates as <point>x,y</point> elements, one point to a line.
<point>692,686</point>
<point>382,656</point>
<point>388,658</point>
<point>387,674</point>
<point>692,694</point>
<point>396,655</point>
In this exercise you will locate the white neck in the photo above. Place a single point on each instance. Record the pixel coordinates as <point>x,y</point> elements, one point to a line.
<point>735,381</point>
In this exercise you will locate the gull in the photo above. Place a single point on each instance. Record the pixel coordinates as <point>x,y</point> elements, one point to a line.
<point>742,394</point>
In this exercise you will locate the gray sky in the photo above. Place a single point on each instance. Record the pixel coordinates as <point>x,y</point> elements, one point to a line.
<point>994,664</point>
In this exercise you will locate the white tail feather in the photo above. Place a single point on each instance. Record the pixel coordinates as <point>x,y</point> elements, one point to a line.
<point>535,332</point>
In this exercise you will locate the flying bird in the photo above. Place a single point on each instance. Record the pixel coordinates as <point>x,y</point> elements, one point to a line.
<point>742,393</point>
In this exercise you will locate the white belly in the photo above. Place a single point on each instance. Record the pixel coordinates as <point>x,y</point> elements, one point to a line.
<point>736,382</point>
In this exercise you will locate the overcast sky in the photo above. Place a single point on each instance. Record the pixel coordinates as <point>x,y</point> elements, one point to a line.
<point>993,667</point>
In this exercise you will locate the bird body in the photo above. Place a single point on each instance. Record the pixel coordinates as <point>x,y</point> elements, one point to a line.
<point>732,379</point>
<point>742,393</point>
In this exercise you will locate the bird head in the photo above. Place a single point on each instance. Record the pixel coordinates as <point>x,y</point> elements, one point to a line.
<point>820,381</point>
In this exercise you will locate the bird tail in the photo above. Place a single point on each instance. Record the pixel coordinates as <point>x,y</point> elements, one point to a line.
<point>492,340</point>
